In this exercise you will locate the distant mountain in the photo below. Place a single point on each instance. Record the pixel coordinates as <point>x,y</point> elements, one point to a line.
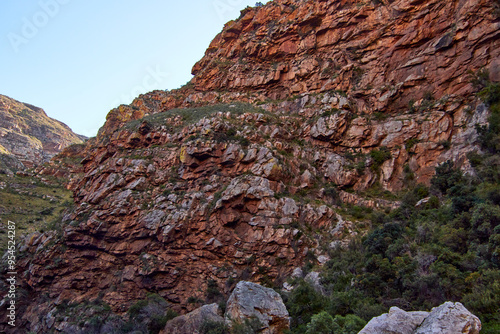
<point>28,136</point>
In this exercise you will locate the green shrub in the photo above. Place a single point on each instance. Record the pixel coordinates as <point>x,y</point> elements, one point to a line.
<point>153,312</point>
<point>489,135</point>
<point>446,177</point>
<point>322,323</point>
<point>358,212</point>
<point>350,324</point>
<point>410,143</point>
<point>249,326</point>
<point>304,302</point>
<point>213,327</point>
<point>213,293</point>
<point>484,221</point>
<point>379,157</point>
<point>379,240</point>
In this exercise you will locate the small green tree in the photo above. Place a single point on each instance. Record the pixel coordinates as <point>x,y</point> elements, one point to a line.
<point>322,323</point>
<point>446,177</point>
<point>350,324</point>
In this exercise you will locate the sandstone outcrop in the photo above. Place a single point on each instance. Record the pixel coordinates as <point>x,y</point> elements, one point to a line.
<point>383,53</point>
<point>28,136</point>
<point>448,318</point>
<point>250,300</point>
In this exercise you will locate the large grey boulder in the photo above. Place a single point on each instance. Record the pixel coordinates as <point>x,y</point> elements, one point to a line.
<point>190,323</point>
<point>252,301</point>
<point>396,321</point>
<point>450,318</point>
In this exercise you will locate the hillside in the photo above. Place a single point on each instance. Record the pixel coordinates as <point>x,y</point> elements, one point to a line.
<point>28,137</point>
<point>355,142</point>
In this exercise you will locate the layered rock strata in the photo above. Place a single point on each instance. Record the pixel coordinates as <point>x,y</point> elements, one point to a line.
<point>296,106</point>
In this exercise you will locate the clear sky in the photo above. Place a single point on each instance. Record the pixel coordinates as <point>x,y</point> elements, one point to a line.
<point>78,59</point>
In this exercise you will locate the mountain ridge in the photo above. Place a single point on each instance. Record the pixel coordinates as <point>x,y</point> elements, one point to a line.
<point>29,136</point>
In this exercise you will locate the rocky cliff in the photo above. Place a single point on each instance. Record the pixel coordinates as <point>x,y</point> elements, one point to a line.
<point>28,137</point>
<point>297,107</point>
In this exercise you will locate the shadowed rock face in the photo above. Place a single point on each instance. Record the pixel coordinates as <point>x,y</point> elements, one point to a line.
<point>190,323</point>
<point>28,135</point>
<point>216,181</point>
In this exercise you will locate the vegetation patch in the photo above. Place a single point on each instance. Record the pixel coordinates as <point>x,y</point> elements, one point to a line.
<point>193,115</point>
<point>379,156</point>
<point>415,257</point>
<point>32,204</point>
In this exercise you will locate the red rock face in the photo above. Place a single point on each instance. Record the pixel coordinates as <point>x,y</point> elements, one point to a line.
<point>226,191</point>
<point>181,212</point>
<point>382,53</point>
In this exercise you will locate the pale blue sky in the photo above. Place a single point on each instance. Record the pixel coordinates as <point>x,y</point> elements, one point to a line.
<point>77,59</point>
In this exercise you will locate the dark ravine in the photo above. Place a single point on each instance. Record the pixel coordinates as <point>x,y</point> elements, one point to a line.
<point>297,111</point>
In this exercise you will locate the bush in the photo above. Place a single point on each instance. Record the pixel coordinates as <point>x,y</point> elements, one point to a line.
<point>249,326</point>
<point>485,219</point>
<point>213,327</point>
<point>350,324</point>
<point>153,312</point>
<point>304,302</point>
<point>446,177</point>
<point>489,135</point>
<point>322,323</point>
<point>490,94</point>
<point>213,293</point>
<point>379,240</point>
<point>379,157</point>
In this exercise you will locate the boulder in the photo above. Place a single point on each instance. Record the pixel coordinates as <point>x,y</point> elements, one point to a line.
<point>396,321</point>
<point>314,279</point>
<point>450,318</point>
<point>190,323</point>
<point>252,301</point>
<point>330,127</point>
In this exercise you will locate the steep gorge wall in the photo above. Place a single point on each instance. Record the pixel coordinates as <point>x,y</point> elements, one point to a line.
<point>285,108</point>
<point>381,53</point>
